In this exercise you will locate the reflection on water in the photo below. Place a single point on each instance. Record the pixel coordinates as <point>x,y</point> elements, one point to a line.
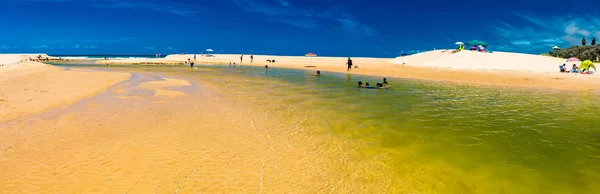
<point>432,137</point>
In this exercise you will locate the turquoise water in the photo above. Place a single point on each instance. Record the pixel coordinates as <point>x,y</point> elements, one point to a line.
<point>432,136</point>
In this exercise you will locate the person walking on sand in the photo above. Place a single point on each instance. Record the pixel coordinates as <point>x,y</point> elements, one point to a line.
<point>251,58</point>
<point>242,59</point>
<point>349,63</point>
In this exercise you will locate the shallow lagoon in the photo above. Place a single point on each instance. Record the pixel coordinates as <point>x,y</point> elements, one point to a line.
<point>429,136</point>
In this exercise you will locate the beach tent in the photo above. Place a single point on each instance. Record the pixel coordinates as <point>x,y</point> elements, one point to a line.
<point>587,64</point>
<point>476,43</point>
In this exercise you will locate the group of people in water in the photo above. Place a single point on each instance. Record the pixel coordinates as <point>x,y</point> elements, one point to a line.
<point>382,85</point>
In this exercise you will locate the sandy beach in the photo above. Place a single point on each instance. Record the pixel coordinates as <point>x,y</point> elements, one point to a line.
<point>498,68</point>
<point>32,87</point>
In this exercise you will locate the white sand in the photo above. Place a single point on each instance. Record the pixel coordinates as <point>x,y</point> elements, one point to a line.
<point>499,61</point>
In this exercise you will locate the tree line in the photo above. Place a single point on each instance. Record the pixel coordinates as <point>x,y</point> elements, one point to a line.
<point>583,52</point>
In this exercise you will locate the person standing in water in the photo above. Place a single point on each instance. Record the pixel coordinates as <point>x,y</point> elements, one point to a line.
<point>266,66</point>
<point>349,63</point>
<point>384,81</point>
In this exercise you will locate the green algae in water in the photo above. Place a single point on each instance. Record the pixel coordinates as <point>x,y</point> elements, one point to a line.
<point>437,137</point>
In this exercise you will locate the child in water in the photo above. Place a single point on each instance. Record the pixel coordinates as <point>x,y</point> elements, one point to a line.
<point>266,67</point>
<point>318,73</point>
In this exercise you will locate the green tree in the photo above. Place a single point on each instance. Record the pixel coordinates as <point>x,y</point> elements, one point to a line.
<point>583,41</point>
<point>594,41</point>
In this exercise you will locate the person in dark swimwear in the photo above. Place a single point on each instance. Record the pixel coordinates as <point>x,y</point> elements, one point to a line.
<point>360,84</point>
<point>251,58</point>
<point>384,81</point>
<point>242,59</point>
<point>192,64</point>
<point>318,73</point>
<point>349,63</point>
<point>380,85</point>
<point>266,67</point>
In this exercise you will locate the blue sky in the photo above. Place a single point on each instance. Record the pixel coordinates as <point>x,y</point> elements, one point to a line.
<point>377,28</point>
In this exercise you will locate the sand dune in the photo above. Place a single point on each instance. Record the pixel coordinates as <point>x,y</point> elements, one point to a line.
<point>469,60</point>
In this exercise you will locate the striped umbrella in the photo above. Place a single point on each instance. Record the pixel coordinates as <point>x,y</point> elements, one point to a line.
<point>310,55</point>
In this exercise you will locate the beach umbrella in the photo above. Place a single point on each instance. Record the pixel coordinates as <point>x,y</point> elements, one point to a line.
<point>573,59</point>
<point>587,64</point>
<point>477,42</point>
<point>311,55</point>
<point>555,47</point>
<point>210,50</point>
<point>459,43</point>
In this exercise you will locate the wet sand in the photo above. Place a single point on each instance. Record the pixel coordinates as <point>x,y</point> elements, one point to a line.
<point>154,134</point>
<point>32,87</point>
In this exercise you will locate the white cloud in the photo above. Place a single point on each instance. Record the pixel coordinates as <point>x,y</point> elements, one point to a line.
<point>571,29</point>
<point>521,42</point>
<point>38,46</point>
<point>540,33</point>
<point>584,32</point>
<point>283,11</point>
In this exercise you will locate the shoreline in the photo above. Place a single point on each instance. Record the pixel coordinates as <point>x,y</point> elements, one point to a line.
<point>418,67</point>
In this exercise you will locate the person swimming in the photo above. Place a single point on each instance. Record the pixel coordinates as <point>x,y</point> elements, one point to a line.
<point>266,67</point>
<point>360,84</point>
<point>318,73</point>
<point>385,81</point>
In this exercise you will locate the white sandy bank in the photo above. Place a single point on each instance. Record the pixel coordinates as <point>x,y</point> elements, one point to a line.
<point>12,61</point>
<point>470,60</point>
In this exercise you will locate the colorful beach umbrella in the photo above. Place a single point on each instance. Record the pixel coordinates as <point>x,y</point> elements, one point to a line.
<point>573,59</point>
<point>587,64</point>
<point>310,55</point>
